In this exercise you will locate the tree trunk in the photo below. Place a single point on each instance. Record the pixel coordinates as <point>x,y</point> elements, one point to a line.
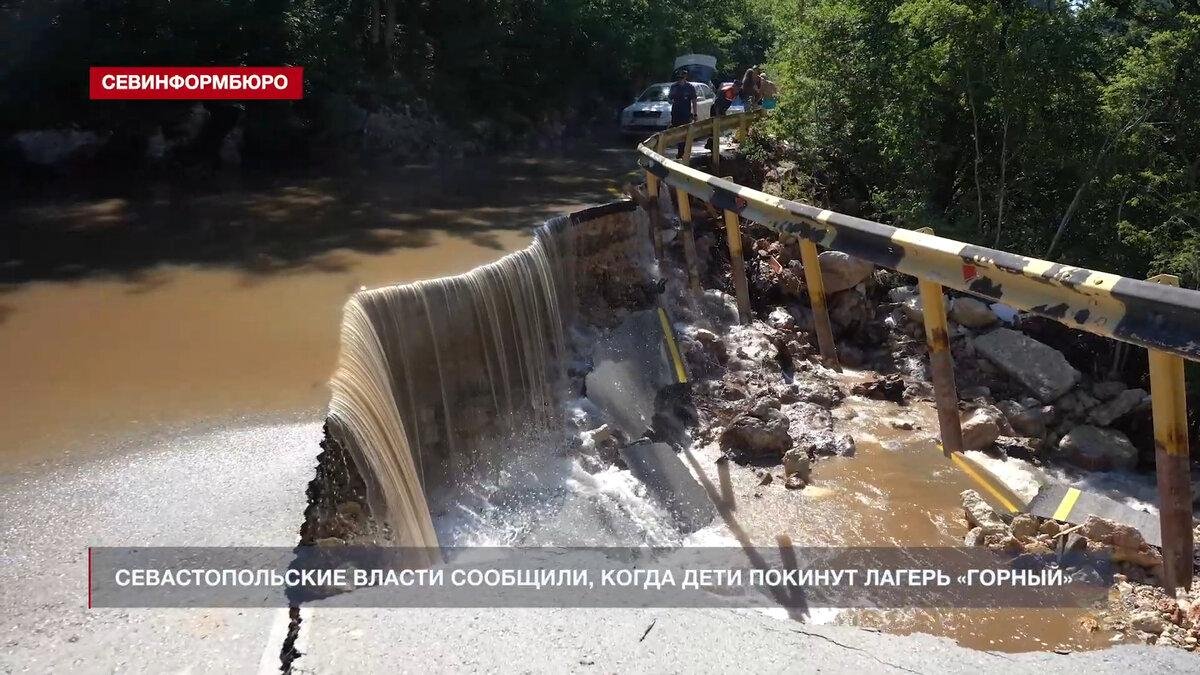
<point>389,30</point>
<point>978,157</point>
<point>373,21</point>
<point>1000,197</point>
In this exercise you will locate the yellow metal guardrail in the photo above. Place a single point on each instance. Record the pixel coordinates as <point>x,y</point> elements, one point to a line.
<point>1155,314</point>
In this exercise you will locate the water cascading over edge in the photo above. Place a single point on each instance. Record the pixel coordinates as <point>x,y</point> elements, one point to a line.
<point>429,370</point>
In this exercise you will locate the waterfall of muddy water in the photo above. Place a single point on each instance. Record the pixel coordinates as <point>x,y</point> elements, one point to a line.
<point>441,381</point>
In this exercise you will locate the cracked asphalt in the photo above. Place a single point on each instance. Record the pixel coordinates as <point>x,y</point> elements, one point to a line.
<point>662,640</point>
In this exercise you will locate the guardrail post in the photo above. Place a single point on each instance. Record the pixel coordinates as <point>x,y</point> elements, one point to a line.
<point>656,237</point>
<point>1171,462</point>
<point>733,234</point>
<point>685,221</point>
<point>715,158</point>
<point>941,362</point>
<point>816,297</point>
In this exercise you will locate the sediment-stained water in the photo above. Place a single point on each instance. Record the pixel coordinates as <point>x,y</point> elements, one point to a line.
<point>122,315</point>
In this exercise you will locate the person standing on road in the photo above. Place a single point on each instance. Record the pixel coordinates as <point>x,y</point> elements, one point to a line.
<point>683,99</point>
<point>682,96</point>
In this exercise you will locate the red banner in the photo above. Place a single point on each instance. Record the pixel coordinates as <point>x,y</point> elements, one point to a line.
<point>177,83</point>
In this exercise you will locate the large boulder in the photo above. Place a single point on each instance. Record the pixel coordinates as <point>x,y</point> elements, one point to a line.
<point>981,514</point>
<point>1095,448</point>
<point>1042,370</point>
<point>981,428</point>
<point>848,310</point>
<point>972,313</point>
<point>841,271</point>
<point>1124,402</point>
<point>760,435</point>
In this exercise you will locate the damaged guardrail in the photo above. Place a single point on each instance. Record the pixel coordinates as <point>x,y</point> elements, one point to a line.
<point>1155,314</point>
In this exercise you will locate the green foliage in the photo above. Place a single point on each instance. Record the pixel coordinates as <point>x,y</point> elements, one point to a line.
<point>985,119</point>
<point>514,61</point>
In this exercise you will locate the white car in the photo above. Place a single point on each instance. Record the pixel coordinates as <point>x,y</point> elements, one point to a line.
<point>651,112</point>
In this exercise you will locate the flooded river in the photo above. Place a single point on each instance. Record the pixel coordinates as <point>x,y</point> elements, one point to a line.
<point>131,314</point>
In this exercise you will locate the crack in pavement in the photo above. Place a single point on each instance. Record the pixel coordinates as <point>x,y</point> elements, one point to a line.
<point>856,649</point>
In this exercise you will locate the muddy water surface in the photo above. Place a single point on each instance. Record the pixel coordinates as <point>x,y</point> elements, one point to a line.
<point>897,490</point>
<point>124,314</point>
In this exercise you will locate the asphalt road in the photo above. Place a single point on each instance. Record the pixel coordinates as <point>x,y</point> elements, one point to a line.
<point>242,485</point>
<point>661,640</point>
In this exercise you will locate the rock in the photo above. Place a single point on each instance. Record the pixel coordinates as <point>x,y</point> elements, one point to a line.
<point>1030,422</point>
<point>887,388</point>
<point>974,537</point>
<point>848,310</point>
<point>1148,621</point>
<point>1050,528</point>
<point>781,319</point>
<point>330,542</point>
<point>841,271</point>
<point>1042,370</point>
<point>1020,448</point>
<point>1105,413</point>
<point>902,424</point>
<point>850,356</point>
<point>1099,449</point>
<point>970,393</point>
<point>821,392</point>
<point>799,351</point>
<point>913,310</point>
<point>797,463</point>
<point>980,514</point>
<point>754,350</point>
<point>981,428</point>
<point>752,438</point>
<point>972,313</point>
<point>351,509</point>
<point>1025,526</point>
<point>1096,528</point>
<point>598,435</point>
<point>812,430</point>
<point>1107,390</point>
<point>794,483</point>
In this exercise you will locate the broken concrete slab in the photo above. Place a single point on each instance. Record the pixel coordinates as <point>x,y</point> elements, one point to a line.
<point>632,365</point>
<point>670,483</point>
<point>1041,369</point>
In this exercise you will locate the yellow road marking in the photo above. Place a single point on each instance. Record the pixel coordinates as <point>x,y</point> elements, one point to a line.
<point>983,481</point>
<point>680,373</point>
<point>1068,503</point>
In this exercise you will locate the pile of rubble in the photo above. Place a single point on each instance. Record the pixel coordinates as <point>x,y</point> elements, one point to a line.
<point>1136,605</point>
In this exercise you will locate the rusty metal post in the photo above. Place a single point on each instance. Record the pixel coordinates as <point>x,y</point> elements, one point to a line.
<point>733,234</point>
<point>654,209</point>
<point>941,362</point>
<point>816,297</point>
<point>685,221</point>
<point>1171,462</point>
<point>715,160</point>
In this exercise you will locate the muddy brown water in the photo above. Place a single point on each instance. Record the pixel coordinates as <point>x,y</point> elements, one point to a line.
<point>121,315</point>
<point>897,490</point>
<point>166,308</point>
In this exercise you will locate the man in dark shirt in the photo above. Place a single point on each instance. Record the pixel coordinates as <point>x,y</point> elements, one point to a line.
<point>683,99</point>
